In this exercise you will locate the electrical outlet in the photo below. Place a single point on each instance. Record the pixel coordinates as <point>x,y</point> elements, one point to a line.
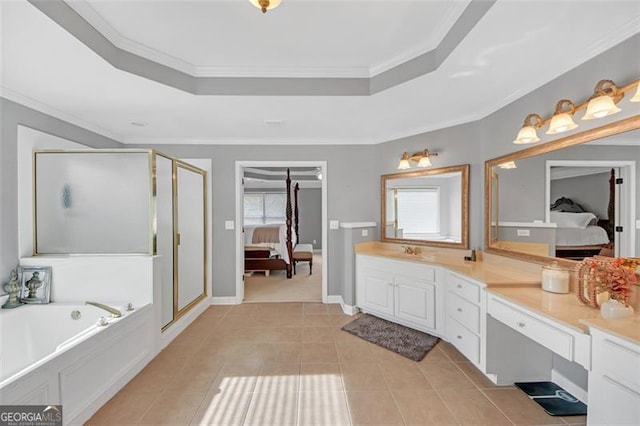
<point>365,232</point>
<point>334,224</point>
<point>314,242</point>
<point>228,224</point>
<point>637,224</point>
<point>523,232</point>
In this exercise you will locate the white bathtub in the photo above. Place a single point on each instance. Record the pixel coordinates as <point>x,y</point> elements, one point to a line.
<point>47,357</point>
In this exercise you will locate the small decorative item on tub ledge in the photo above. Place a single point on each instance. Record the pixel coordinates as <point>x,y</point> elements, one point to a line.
<point>13,290</point>
<point>606,283</point>
<point>36,283</point>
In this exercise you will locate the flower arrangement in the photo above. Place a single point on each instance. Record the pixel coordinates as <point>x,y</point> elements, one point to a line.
<point>600,275</point>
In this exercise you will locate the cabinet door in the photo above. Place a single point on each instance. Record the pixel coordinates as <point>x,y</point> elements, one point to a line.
<point>415,301</point>
<point>377,291</point>
<point>612,403</point>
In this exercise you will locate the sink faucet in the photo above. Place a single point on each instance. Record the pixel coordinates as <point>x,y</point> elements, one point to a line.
<point>411,250</point>
<point>113,311</point>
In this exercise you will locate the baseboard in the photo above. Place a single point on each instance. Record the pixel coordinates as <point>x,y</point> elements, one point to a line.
<point>229,300</point>
<point>347,309</point>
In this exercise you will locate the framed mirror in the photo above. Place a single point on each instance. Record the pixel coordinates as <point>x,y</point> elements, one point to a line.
<point>427,207</point>
<point>568,199</point>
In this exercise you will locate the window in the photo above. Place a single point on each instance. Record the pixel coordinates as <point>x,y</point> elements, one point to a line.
<point>265,208</point>
<point>418,210</point>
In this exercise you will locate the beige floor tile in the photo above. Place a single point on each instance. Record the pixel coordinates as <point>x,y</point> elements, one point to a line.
<point>451,351</point>
<point>283,353</point>
<point>316,309</point>
<point>124,408</point>
<point>519,408</point>
<point>575,420</point>
<point>283,334</point>
<point>445,375</point>
<point>322,377</point>
<point>362,376</point>
<point>280,320</point>
<point>356,351</point>
<point>287,308</point>
<point>373,407</point>
<point>334,308</point>
<point>476,376</point>
<point>422,408</point>
<point>278,377</point>
<point>435,355</point>
<point>472,407</point>
<point>404,376</point>
<point>319,334</point>
<point>151,380</point>
<point>237,378</point>
<point>340,320</point>
<point>173,407</point>
<point>226,408</point>
<point>319,352</point>
<point>317,320</point>
<point>244,352</point>
<point>275,407</point>
<point>323,408</point>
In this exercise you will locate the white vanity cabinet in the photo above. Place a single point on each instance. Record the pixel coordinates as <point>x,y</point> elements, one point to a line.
<point>614,381</point>
<point>407,293</point>
<point>464,323</point>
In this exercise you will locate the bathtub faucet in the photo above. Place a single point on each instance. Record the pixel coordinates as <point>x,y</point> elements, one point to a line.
<point>113,311</point>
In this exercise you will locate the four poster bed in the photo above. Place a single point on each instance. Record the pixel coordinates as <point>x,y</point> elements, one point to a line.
<point>273,247</point>
<point>581,233</point>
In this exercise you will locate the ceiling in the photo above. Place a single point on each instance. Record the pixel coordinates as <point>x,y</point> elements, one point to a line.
<point>442,63</point>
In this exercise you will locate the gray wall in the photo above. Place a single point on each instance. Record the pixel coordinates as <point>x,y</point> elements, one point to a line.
<point>590,191</point>
<point>11,115</point>
<point>310,206</point>
<point>353,171</point>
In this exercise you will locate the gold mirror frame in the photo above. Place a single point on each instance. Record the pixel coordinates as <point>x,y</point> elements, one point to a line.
<point>628,124</point>
<point>464,172</point>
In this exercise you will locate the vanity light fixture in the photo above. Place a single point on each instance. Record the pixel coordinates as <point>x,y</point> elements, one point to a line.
<point>508,165</point>
<point>601,104</point>
<point>265,5</point>
<point>603,101</point>
<point>422,158</point>
<point>528,132</point>
<point>562,120</point>
<point>636,97</point>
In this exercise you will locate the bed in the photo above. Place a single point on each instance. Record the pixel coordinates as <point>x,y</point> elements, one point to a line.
<point>580,233</point>
<point>270,247</point>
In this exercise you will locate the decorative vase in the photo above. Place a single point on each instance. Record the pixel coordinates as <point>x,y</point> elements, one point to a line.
<point>612,309</point>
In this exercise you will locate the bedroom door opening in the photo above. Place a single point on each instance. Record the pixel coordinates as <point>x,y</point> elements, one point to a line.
<point>604,190</point>
<point>280,203</point>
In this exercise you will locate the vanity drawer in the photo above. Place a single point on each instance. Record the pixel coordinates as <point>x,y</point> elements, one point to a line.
<point>464,340</point>
<point>467,289</point>
<point>544,333</point>
<point>463,311</point>
<point>621,361</point>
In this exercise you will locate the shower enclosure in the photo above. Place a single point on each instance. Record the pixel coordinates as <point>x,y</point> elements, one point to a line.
<point>115,202</point>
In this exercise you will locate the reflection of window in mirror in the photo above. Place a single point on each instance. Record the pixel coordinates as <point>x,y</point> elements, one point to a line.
<point>415,213</point>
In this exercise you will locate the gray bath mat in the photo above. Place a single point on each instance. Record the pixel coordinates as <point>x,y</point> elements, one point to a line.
<point>402,340</point>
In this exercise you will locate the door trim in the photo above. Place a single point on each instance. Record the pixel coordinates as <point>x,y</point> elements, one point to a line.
<point>239,221</point>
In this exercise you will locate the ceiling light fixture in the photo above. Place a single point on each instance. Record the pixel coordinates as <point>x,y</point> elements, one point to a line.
<point>265,5</point>
<point>422,158</point>
<point>601,104</point>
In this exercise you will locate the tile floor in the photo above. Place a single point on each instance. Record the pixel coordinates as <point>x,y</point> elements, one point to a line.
<point>290,364</point>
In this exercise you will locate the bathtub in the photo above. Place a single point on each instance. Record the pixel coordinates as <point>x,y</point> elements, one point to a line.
<point>48,357</point>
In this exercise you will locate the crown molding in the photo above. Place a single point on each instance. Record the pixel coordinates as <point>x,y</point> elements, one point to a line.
<point>28,102</point>
<point>247,141</point>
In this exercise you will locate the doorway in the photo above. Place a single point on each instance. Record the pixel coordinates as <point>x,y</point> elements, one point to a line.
<point>618,180</point>
<point>252,177</point>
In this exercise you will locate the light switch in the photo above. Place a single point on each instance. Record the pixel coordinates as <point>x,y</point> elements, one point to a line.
<point>523,232</point>
<point>228,224</point>
<point>637,224</point>
<point>334,224</point>
<point>365,232</point>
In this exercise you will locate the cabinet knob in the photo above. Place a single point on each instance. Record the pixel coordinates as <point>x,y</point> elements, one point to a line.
<point>521,324</point>
<point>459,285</point>
<point>459,309</point>
<point>459,336</point>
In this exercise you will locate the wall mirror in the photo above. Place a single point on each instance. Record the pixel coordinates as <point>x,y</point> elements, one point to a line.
<point>568,199</point>
<point>427,207</point>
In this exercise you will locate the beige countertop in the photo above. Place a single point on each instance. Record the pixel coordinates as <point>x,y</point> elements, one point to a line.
<point>518,282</point>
